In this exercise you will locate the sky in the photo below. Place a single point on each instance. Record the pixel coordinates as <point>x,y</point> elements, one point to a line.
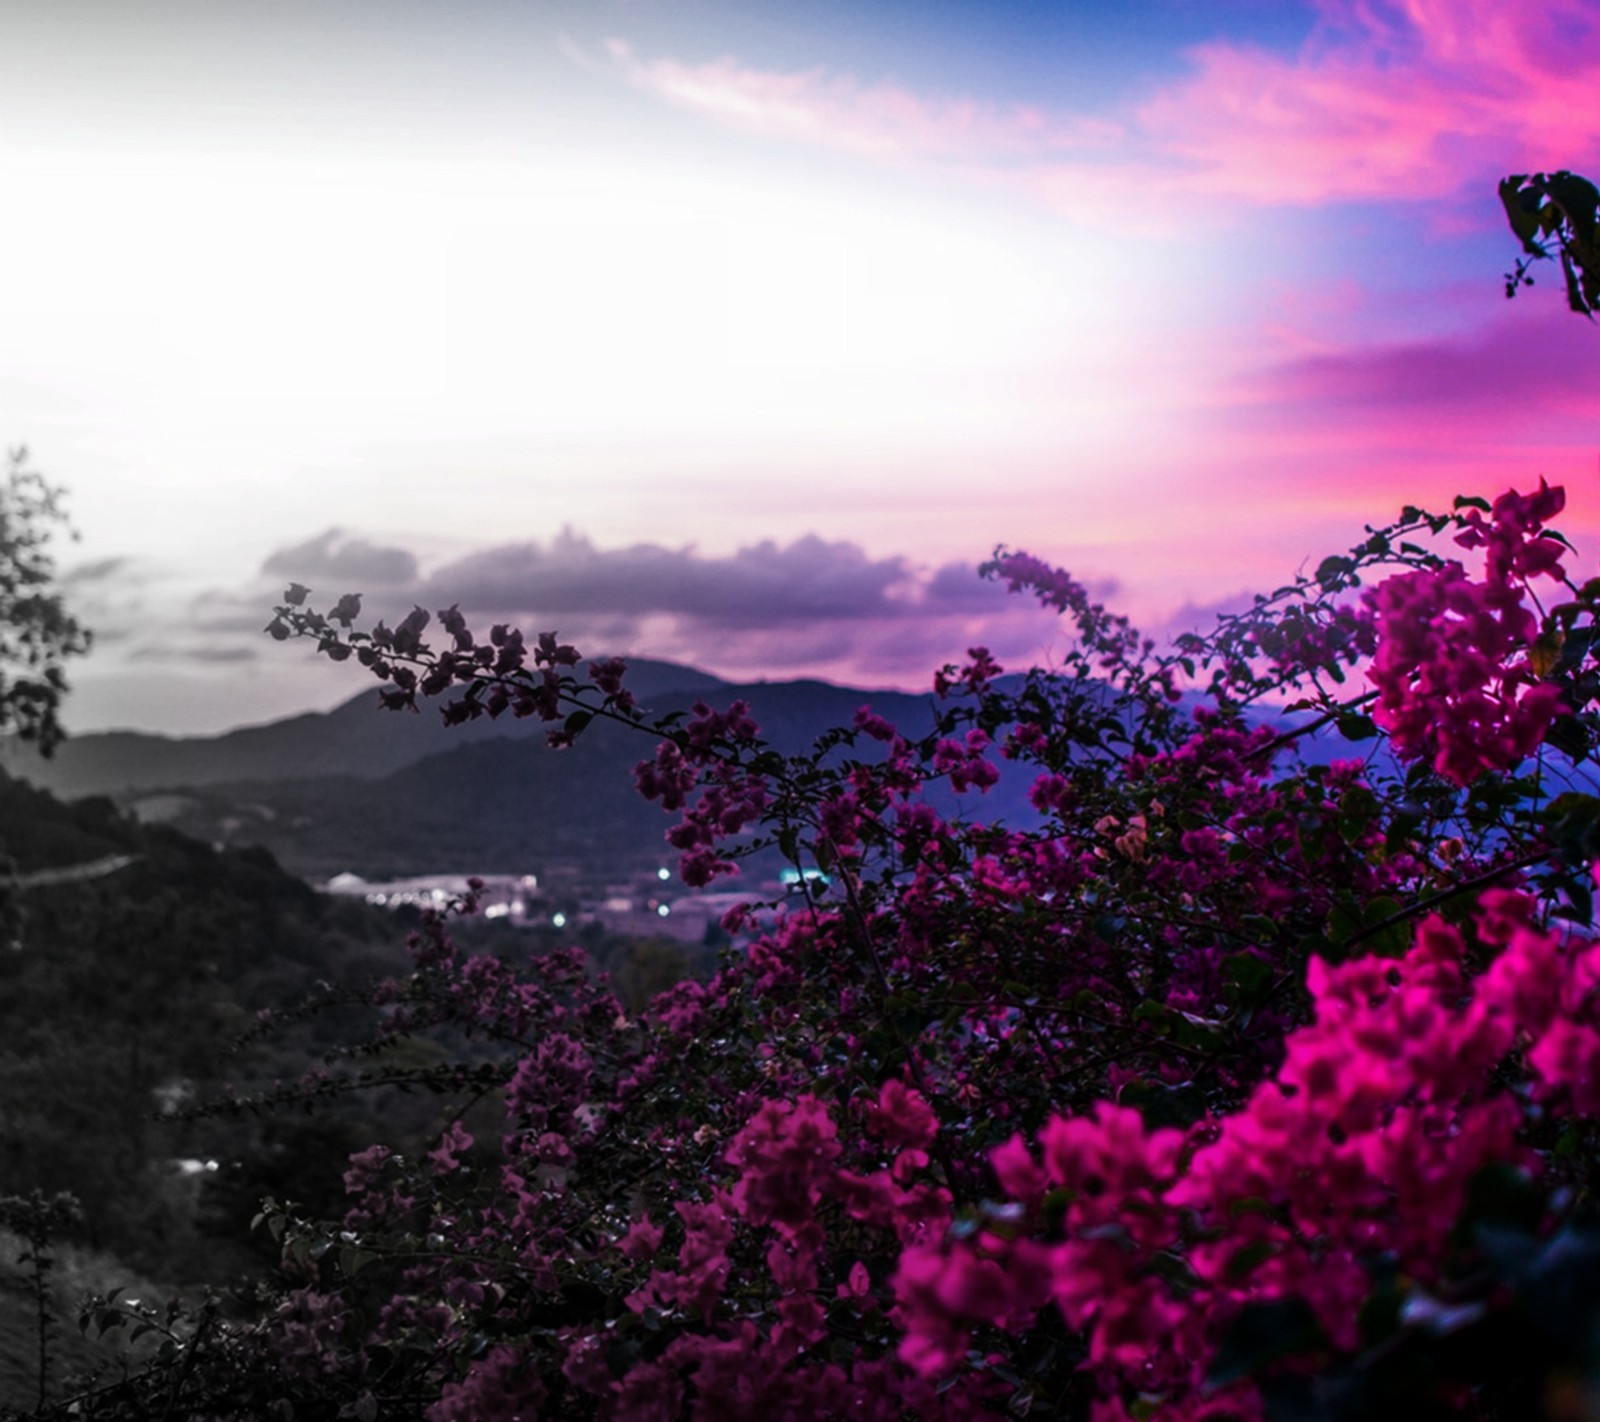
<point>740,333</point>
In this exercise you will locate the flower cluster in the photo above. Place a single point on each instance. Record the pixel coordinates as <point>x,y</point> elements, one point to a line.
<point>1364,1144</point>
<point>1120,1058</point>
<point>1455,682</point>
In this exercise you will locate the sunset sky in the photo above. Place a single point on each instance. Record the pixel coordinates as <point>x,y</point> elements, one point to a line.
<point>739,333</point>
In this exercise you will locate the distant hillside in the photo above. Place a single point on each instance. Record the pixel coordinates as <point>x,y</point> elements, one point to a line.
<point>386,794</point>
<point>354,739</point>
<point>497,805</point>
<point>118,985</point>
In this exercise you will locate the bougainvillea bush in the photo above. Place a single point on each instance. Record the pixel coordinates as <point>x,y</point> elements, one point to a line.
<point>1255,1074</point>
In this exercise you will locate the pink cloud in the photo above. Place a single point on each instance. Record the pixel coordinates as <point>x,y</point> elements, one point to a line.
<point>1387,101</point>
<point>1525,368</point>
<point>811,607</point>
<point>1411,100</point>
<point>1307,447</point>
<point>882,120</point>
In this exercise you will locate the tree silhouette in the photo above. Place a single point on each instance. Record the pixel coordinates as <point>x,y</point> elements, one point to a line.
<point>37,634</point>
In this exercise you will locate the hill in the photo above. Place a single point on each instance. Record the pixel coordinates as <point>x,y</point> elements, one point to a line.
<point>386,795</point>
<point>497,805</point>
<point>351,740</point>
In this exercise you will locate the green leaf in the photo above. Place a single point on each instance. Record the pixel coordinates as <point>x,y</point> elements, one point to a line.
<point>1246,976</point>
<point>1522,211</point>
<point>1579,907</point>
<point>1162,1106</point>
<point>1264,1333</point>
<point>352,1260</point>
<point>1576,301</point>
<point>1580,202</point>
<point>1356,726</point>
<point>1244,1262</point>
<point>1332,571</point>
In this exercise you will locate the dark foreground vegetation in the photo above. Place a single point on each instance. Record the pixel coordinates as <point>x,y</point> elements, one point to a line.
<point>135,965</point>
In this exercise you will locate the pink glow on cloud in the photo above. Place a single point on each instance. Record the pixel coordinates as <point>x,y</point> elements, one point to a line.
<point>1324,435</point>
<point>1398,101</point>
<point>883,120</point>
<point>1406,101</point>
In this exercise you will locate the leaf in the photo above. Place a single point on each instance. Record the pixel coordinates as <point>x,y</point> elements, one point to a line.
<point>1580,202</point>
<point>1579,907</point>
<point>1244,1262</point>
<point>1522,211</point>
<point>1545,653</point>
<point>1332,571</point>
<point>1261,1334</point>
<point>1355,726</point>
<point>1576,301</point>
<point>1162,1106</point>
<point>352,1260</point>
<point>1577,646</point>
<point>1246,977</point>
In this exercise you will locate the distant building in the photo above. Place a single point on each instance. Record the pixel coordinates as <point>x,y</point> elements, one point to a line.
<point>502,895</point>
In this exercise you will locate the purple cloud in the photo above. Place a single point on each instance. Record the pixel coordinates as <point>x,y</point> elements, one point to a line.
<point>762,585</point>
<point>335,557</point>
<point>811,607</point>
<point>1512,365</point>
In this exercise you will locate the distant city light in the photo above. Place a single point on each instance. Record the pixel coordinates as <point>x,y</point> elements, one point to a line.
<point>663,874</point>
<point>791,876</point>
<point>559,919</point>
<point>663,911</point>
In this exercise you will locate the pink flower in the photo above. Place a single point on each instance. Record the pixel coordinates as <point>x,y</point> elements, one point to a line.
<point>902,1117</point>
<point>642,1240</point>
<point>784,1152</point>
<point>452,1146</point>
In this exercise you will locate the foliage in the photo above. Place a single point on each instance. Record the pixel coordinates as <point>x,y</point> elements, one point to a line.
<point>119,995</point>
<point>1560,210</point>
<point>37,634</point>
<point>37,1221</point>
<point>1230,1084</point>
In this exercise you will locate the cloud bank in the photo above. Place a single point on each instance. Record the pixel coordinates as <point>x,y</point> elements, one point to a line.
<point>807,607</point>
<point>1383,102</point>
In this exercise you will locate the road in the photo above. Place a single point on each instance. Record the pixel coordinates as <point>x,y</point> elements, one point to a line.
<point>72,873</point>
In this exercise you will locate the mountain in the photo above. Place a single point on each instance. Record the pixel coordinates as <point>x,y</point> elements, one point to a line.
<point>494,804</point>
<point>385,794</point>
<point>355,739</point>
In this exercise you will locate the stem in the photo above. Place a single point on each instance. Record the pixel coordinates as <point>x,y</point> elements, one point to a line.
<point>1451,891</point>
<point>1447,893</point>
<point>41,1298</point>
<point>858,921</point>
<point>1325,719</point>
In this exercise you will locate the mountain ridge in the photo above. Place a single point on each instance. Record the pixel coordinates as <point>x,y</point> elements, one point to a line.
<point>348,740</point>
